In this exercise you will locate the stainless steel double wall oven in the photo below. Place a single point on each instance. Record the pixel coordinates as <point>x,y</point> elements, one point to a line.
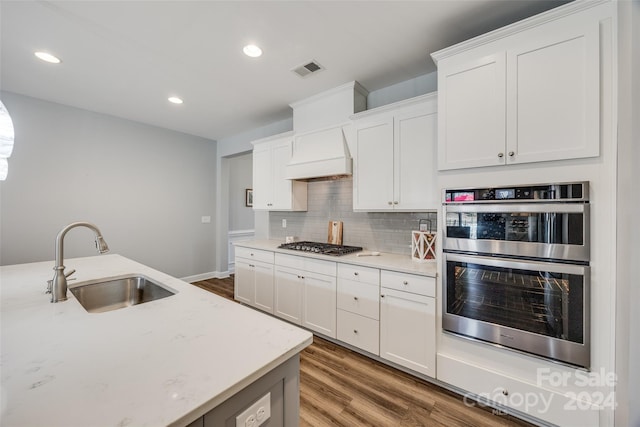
<point>516,268</point>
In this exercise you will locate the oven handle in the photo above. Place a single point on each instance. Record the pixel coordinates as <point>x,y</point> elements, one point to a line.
<point>526,208</point>
<point>551,267</point>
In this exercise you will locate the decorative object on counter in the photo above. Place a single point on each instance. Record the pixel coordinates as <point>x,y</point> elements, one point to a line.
<point>248,197</point>
<point>423,242</point>
<point>374,253</point>
<point>290,239</point>
<point>335,233</point>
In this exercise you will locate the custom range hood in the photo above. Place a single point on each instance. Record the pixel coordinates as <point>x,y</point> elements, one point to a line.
<point>321,128</point>
<point>320,154</point>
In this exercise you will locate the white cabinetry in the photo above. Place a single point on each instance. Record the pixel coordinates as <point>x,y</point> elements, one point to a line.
<point>408,321</point>
<point>395,157</point>
<point>271,190</point>
<point>305,292</point>
<point>526,93</point>
<point>557,408</point>
<point>254,278</point>
<point>358,307</point>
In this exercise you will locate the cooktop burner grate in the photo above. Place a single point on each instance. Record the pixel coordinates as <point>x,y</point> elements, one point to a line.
<point>320,248</point>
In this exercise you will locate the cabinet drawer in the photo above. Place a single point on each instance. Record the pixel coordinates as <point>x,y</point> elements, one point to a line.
<point>359,298</point>
<point>359,274</point>
<point>306,264</point>
<point>254,254</point>
<point>359,331</point>
<point>536,401</point>
<point>413,283</point>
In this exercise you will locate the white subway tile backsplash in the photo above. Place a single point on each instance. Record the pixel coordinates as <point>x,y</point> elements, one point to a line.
<point>333,200</point>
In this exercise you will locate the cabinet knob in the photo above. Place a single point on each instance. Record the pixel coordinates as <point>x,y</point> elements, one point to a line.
<point>505,392</point>
<point>251,254</point>
<point>405,283</point>
<point>302,277</point>
<point>355,331</point>
<point>381,296</point>
<point>511,154</point>
<point>355,298</point>
<point>500,155</point>
<point>389,203</point>
<point>355,273</point>
<point>395,203</point>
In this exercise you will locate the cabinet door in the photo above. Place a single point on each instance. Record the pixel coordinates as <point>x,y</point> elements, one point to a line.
<point>373,172</point>
<point>416,138</point>
<point>244,282</point>
<point>263,278</point>
<point>471,109</point>
<point>553,94</point>
<point>262,178</point>
<point>281,186</point>
<point>407,330</point>
<point>288,294</point>
<point>320,303</point>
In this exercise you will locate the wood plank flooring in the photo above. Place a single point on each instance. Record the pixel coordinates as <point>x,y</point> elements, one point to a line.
<point>339,387</point>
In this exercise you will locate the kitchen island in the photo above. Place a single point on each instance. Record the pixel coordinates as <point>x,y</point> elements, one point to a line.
<point>173,361</point>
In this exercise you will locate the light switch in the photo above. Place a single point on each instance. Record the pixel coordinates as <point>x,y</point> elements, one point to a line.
<point>206,219</point>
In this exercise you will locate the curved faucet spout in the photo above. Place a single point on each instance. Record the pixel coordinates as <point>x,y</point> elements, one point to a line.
<point>58,285</point>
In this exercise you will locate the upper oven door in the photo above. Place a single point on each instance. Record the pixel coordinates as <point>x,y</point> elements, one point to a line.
<point>558,231</point>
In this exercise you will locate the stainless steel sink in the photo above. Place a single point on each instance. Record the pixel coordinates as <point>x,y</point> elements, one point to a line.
<point>102,295</point>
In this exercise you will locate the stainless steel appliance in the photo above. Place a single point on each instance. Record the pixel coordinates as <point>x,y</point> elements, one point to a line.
<point>516,268</point>
<point>321,248</point>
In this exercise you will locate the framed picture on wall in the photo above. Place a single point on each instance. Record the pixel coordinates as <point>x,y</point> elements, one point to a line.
<point>248,197</point>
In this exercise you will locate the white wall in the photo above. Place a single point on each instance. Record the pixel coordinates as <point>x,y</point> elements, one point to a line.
<point>145,187</point>
<point>240,178</point>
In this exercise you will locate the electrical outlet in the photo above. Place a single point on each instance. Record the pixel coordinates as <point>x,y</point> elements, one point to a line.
<point>206,219</point>
<point>284,223</point>
<point>256,414</point>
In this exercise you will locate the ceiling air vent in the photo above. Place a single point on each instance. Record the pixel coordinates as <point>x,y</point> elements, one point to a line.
<point>308,68</point>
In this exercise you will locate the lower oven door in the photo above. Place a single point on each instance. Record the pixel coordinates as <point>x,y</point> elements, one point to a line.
<point>537,307</point>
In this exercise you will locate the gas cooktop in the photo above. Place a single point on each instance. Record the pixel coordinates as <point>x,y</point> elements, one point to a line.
<point>320,248</point>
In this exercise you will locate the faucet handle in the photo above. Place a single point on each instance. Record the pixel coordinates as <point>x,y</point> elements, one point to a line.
<point>70,273</point>
<point>49,285</point>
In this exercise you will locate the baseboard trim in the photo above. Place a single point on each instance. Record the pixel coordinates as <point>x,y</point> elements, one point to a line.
<point>206,276</point>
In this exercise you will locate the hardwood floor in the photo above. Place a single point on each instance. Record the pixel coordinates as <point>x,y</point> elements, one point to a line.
<point>339,387</point>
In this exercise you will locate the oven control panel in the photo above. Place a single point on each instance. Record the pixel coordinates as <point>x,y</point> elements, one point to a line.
<point>575,192</point>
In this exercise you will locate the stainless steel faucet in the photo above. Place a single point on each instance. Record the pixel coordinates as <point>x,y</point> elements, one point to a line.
<point>57,286</point>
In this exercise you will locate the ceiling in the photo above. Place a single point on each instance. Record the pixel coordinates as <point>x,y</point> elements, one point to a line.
<point>125,58</point>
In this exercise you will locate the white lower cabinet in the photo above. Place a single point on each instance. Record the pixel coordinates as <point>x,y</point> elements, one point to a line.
<point>288,294</point>
<point>254,278</point>
<point>305,292</point>
<point>551,406</point>
<point>359,331</point>
<point>407,324</point>
<point>359,307</point>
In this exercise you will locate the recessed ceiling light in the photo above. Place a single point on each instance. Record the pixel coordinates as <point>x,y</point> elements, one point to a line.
<point>252,50</point>
<point>175,100</point>
<point>47,57</point>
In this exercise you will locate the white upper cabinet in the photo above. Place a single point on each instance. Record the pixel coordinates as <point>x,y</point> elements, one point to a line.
<point>394,157</point>
<point>271,190</point>
<point>525,93</point>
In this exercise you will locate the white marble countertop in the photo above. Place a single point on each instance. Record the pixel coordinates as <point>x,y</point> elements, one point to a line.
<point>387,261</point>
<point>165,362</point>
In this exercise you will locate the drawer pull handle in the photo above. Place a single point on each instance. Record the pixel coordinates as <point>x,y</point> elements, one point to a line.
<point>505,392</point>
<point>405,283</point>
<point>355,331</point>
<point>355,273</point>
